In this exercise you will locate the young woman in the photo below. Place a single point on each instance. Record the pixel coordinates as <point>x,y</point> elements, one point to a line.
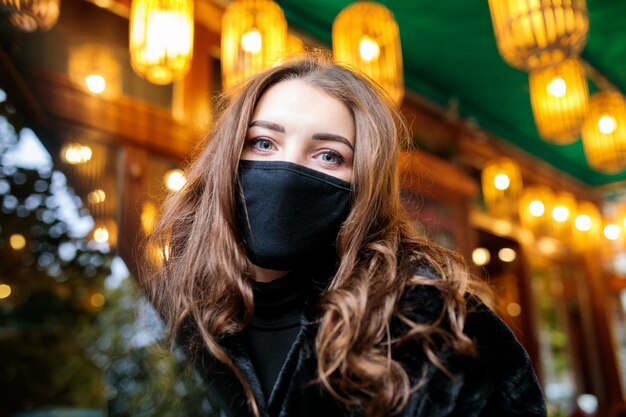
<point>296,282</point>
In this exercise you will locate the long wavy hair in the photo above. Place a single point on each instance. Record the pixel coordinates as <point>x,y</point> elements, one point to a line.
<point>206,277</point>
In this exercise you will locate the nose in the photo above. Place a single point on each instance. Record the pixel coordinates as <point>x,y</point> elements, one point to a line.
<point>294,152</point>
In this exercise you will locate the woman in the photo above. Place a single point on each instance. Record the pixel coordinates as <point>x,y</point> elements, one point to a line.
<point>298,285</point>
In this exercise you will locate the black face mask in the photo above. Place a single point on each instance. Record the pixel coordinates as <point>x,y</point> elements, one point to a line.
<point>289,215</point>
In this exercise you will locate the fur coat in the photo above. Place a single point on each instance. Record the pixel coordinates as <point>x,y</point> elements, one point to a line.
<point>499,382</point>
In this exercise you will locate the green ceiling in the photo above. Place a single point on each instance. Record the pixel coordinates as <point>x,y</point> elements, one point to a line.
<point>449,51</point>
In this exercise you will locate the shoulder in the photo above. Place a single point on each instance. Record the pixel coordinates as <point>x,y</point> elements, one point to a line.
<point>505,362</point>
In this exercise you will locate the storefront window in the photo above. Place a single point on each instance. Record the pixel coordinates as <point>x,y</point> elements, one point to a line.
<point>76,335</point>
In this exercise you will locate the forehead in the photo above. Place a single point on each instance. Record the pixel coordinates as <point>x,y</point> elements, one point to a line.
<point>298,104</point>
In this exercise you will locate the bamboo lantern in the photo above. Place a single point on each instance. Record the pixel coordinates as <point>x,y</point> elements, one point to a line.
<point>94,68</point>
<point>559,96</point>
<point>535,209</point>
<point>32,15</point>
<point>502,186</point>
<point>604,132</point>
<point>366,38</point>
<point>161,39</point>
<point>587,225</point>
<point>536,34</point>
<point>563,215</point>
<point>254,38</point>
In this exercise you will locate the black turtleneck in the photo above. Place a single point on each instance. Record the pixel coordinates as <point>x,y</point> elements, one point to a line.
<point>278,306</point>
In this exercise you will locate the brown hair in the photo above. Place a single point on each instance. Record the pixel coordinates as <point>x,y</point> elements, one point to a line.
<point>206,276</point>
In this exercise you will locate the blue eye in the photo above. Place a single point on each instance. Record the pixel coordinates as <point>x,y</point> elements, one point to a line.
<point>331,158</point>
<point>262,144</point>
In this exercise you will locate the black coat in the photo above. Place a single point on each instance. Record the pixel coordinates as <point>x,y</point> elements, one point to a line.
<point>500,382</point>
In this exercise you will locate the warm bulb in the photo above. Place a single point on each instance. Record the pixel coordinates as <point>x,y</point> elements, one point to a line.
<point>5,291</point>
<point>96,196</point>
<point>101,234</point>
<point>95,83</point>
<point>481,256</point>
<point>252,41</point>
<point>502,182</point>
<point>507,255</point>
<point>583,222</point>
<point>557,87</point>
<point>17,241</point>
<point>536,208</point>
<point>369,49</point>
<point>175,180</point>
<point>560,214</point>
<point>612,232</point>
<point>607,124</point>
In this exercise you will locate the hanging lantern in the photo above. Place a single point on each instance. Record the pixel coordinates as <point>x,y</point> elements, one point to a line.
<point>536,34</point>
<point>563,215</point>
<point>32,15</point>
<point>94,68</point>
<point>161,39</point>
<point>366,38</point>
<point>295,46</point>
<point>535,209</point>
<point>254,38</point>
<point>559,98</point>
<point>604,132</point>
<point>587,225</point>
<point>502,185</point>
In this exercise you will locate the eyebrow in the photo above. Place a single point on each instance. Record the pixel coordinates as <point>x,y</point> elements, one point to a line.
<point>268,125</point>
<point>318,136</point>
<point>335,138</point>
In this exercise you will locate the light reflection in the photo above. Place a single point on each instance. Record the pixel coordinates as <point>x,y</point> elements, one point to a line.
<point>175,180</point>
<point>481,256</point>
<point>17,241</point>
<point>75,153</point>
<point>96,196</point>
<point>101,234</point>
<point>97,300</point>
<point>5,291</point>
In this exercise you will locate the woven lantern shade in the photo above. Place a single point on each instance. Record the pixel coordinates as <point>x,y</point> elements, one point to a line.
<point>161,39</point>
<point>536,34</point>
<point>366,38</point>
<point>95,68</point>
<point>563,215</point>
<point>559,96</point>
<point>587,224</point>
<point>535,209</point>
<point>604,132</point>
<point>32,15</point>
<point>254,38</point>
<point>502,185</point>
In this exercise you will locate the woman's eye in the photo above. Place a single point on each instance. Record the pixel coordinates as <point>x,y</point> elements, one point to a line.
<point>331,158</point>
<point>262,144</point>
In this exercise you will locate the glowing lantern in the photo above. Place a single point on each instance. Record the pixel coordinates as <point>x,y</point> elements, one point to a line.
<point>366,38</point>
<point>587,225</point>
<point>604,132</point>
<point>536,34</point>
<point>559,97</point>
<point>535,209</point>
<point>32,15</point>
<point>95,68</point>
<point>254,38</point>
<point>161,39</point>
<point>563,215</point>
<point>502,185</point>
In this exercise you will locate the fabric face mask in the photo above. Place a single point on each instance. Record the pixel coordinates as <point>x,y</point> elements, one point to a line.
<point>289,215</point>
